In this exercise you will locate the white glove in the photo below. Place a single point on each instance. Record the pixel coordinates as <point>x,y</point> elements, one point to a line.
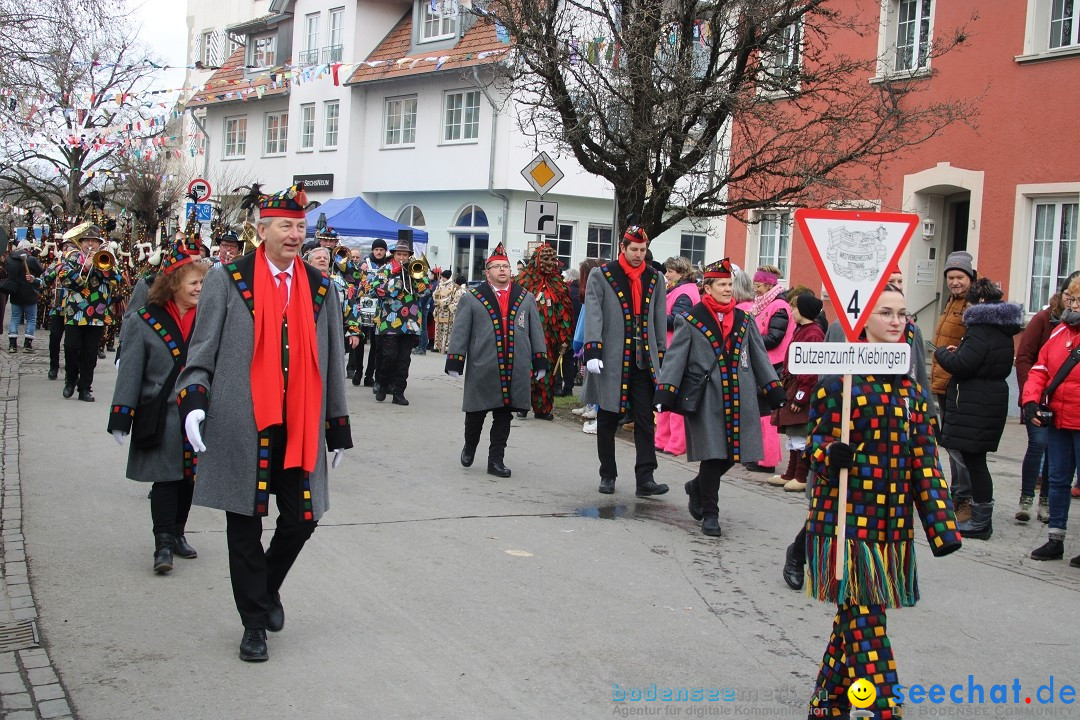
<point>594,366</point>
<point>659,408</point>
<point>540,374</point>
<point>339,455</point>
<point>191,427</point>
<point>454,374</point>
<point>118,436</point>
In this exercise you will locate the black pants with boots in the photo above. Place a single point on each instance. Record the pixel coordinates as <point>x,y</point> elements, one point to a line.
<point>257,576</point>
<point>374,354</point>
<point>500,431</point>
<point>355,366</point>
<point>56,334</point>
<point>640,389</point>
<point>707,485</point>
<point>170,503</point>
<point>394,361</point>
<point>80,355</point>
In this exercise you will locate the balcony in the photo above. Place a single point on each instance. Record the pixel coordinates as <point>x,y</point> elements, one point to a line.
<point>331,54</point>
<point>308,57</point>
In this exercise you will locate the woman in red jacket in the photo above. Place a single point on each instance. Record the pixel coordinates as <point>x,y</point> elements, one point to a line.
<point>1061,417</point>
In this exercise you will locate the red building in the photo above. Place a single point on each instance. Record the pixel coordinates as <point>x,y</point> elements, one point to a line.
<point>1006,190</point>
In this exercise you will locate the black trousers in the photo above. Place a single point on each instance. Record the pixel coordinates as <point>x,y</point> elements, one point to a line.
<point>355,363</point>
<point>569,373</point>
<point>394,361</point>
<point>257,576</point>
<point>373,358</point>
<point>80,355</point>
<point>640,390</point>
<point>982,484</point>
<point>170,503</point>
<point>500,431</point>
<point>707,484</point>
<point>56,334</point>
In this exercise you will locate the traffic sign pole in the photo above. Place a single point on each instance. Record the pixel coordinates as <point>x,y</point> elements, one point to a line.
<point>841,511</point>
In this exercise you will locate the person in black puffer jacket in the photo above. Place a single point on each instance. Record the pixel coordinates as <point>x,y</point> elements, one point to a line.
<point>977,395</point>
<point>23,269</point>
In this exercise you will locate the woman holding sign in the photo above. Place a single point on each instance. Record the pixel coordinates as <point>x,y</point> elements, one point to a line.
<point>893,472</point>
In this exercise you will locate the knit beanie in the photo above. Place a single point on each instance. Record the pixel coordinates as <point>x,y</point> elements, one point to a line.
<point>960,260</point>
<point>378,243</point>
<point>808,305</point>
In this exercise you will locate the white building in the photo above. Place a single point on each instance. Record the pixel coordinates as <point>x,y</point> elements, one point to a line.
<point>393,101</point>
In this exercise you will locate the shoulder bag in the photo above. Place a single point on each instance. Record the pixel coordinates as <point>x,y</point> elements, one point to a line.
<point>691,390</point>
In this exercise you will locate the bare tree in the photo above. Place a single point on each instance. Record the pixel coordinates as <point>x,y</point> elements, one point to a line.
<point>146,190</point>
<point>649,94</point>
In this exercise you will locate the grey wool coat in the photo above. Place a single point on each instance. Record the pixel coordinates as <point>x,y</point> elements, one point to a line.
<point>608,324</point>
<point>496,375</point>
<point>721,428</point>
<point>217,379</point>
<point>153,347</point>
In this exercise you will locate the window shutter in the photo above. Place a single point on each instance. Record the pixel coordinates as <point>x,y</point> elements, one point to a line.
<point>217,47</point>
<point>198,47</point>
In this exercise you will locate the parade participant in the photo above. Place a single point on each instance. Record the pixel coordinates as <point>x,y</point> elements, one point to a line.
<point>322,259</point>
<point>446,297</point>
<point>155,349</point>
<point>51,278</point>
<point>624,342</point>
<point>542,278</point>
<point>397,320</point>
<point>1049,400</point>
<point>228,247</point>
<point>977,394</point>
<point>327,238</point>
<point>770,311</point>
<point>498,342</point>
<point>24,271</point>
<point>893,472</point>
<point>717,356</point>
<point>367,271</point>
<point>682,294</point>
<point>90,291</point>
<point>266,319</point>
<point>959,274</point>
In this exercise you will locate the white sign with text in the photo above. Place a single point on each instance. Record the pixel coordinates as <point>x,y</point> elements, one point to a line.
<point>828,358</point>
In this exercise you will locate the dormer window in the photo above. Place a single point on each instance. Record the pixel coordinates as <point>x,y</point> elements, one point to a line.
<point>438,19</point>
<point>262,50</point>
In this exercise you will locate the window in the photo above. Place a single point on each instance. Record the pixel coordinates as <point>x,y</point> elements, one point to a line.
<point>462,120</point>
<point>1053,248</point>
<point>563,244</point>
<point>912,34</point>
<point>781,61</point>
<point>598,244</point>
<point>277,133</point>
<point>332,53</point>
<point>438,19</point>
<point>310,54</point>
<point>262,51</point>
<point>692,247</point>
<point>1063,23</point>
<point>774,240</point>
<point>307,126</point>
<point>400,121</point>
<point>330,137</point>
<point>411,215</point>
<point>471,243</point>
<point>207,55</point>
<point>235,137</point>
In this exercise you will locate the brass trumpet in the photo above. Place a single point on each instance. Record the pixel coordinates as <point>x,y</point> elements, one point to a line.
<point>104,260</point>
<point>419,268</point>
<point>342,255</point>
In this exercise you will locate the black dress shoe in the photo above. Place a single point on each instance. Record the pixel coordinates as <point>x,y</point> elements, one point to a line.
<point>545,416</point>
<point>399,399</point>
<point>496,468</point>
<point>368,382</point>
<point>53,374</point>
<point>275,621</point>
<point>101,354</point>
<point>523,414</point>
<point>467,455</point>
<point>607,485</point>
<point>694,504</point>
<point>68,391</point>
<point>754,467</point>
<point>793,569</point>
<point>253,646</point>
<point>86,396</point>
<point>651,487</point>
<point>350,373</point>
<point>380,393</point>
<point>710,525</point>
<point>356,380</point>
<point>182,549</point>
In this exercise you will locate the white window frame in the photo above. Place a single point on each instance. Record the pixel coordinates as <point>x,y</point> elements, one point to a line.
<point>206,52</point>
<point>331,124</point>
<point>275,133</point>
<point>774,248</point>
<point>307,127</point>
<point>783,61</point>
<point>397,112</point>
<point>310,54</point>
<point>888,38</point>
<point>1058,16</point>
<point>238,131</point>
<point>438,20</point>
<point>262,55</point>
<point>692,253</point>
<point>470,262</point>
<point>335,35</point>
<point>412,216</point>
<point>1041,285</point>
<point>1039,31</point>
<point>563,244</point>
<point>461,116</point>
<point>595,244</point>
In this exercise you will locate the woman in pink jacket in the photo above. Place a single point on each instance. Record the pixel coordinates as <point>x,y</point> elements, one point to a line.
<point>682,294</point>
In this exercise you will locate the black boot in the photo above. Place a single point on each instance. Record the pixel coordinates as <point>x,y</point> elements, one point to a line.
<point>399,398</point>
<point>981,525</point>
<point>181,547</point>
<point>13,345</point>
<point>253,645</point>
<point>793,569</point>
<point>607,485</point>
<point>694,504</point>
<point>163,542</point>
<point>1054,549</point>
<point>710,525</point>
<point>28,345</point>
<point>380,392</point>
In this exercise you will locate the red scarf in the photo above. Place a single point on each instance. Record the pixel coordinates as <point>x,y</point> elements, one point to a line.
<point>634,275</point>
<point>303,397</point>
<point>185,321</point>
<point>728,312</point>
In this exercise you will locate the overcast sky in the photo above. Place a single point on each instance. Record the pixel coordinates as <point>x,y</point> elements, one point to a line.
<point>164,29</point>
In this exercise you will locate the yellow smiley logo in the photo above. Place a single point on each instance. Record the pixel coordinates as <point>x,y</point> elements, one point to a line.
<point>862,693</point>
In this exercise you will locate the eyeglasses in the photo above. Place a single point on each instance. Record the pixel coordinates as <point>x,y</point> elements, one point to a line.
<point>499,266</point>
<point>1071,301</point>
<point>887,316</point>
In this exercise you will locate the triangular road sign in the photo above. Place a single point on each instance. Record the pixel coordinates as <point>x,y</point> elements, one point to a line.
<point>853,251</point>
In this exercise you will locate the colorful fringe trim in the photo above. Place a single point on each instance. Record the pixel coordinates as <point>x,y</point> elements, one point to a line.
<point>875,574</point>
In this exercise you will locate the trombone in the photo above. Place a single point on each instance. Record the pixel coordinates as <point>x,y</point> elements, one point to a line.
<point>104,260</point>
<point>419,268</point>
<point>342,255</point>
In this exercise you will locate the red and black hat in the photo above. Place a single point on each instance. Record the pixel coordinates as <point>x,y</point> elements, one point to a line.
<point>636,234</point>
<point>288,203</point>
<point>719,269</point>
<point>499,253</point>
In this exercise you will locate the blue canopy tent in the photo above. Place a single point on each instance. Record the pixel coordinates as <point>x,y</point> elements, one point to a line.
<point>354,218</point>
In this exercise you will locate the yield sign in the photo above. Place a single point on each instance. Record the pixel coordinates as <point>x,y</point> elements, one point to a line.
<point>853,251</point>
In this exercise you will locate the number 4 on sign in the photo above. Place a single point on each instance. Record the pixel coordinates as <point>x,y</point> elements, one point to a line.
<point>853,251</point>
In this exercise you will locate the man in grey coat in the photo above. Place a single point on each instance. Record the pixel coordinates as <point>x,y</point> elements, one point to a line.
<point>497,331</point>
<point>266,321</point>
<point>625,337</point>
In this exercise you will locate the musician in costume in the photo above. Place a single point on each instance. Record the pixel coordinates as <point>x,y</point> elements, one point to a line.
<point>894,473</point>
<point>397,319</point>
<point>364,278</point>
<point>321,258</point>
<point>542,278</point>
<point>155,349</point>
<point>229,246</point>
<point>268,322</point>
<point>446,298</point>
<point>90,292</point>
<point>717,341</point>
<point>625,337</point>
<point>498,342</point>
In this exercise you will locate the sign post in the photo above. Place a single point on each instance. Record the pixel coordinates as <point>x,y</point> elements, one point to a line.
<point>853,251</point>
<point>542,218</point>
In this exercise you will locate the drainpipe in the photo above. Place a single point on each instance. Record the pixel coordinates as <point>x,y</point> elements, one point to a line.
<point>491,154</point>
